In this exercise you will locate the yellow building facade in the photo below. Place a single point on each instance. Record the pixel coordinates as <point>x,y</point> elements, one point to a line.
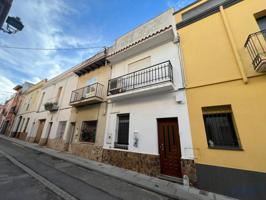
<point>226,93</point>
<point>28,108</point>
<point>89,101</point>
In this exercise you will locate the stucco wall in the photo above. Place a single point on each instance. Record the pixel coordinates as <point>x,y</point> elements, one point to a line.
<point>208,55</point>
<point>249,112</point>
<point>213,78</point>
<point>64,113</point>
<point>145,110</point>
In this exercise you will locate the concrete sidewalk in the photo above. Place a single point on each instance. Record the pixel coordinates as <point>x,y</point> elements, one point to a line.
<point>163,187</point>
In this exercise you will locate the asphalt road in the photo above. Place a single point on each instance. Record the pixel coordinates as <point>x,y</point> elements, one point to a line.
<point>58,179</point>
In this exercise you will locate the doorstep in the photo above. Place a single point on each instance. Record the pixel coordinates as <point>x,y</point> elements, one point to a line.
<point>171,178</point>
<point>163,187</point>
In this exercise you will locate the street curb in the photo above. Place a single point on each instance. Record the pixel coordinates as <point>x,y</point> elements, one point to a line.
<point>63,194</point>
<point>181,192</point>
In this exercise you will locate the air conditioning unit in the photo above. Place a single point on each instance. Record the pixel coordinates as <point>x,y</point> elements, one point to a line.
<point>115,86</point>
<point>91,91</point>
<point>261,67</point>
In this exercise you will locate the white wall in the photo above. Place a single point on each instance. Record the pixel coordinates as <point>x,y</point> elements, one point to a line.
<point>168,51</point>
<point>144,111</point>
<point>64,112</point>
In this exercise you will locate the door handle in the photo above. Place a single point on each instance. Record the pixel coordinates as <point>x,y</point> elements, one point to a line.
<point>162,147</point>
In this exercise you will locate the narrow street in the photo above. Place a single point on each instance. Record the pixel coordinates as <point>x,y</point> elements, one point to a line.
<point>28,174</point>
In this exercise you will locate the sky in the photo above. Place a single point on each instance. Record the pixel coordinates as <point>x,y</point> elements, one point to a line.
<point>67,24</point>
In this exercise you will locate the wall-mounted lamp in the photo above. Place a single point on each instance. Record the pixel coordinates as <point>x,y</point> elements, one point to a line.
<point>13,25</point>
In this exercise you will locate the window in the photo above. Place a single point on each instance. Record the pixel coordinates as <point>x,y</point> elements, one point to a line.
<point>26,125</point>
<point>28,103</point>
<point>201,9</point>
<point>58,94</point>
<point>219,127</point>
<point>39,107</point>
<point>61,129</point>
<point>140,64</point>
<point>262,22</point>
<point>123,131</point>
<point>88,131</point>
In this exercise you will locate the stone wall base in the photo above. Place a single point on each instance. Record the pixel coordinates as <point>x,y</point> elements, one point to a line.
<point>142,163</point>
<point>21,135</point>
<point>87,150</point>
<point>30,139</point>
<point>57,144</point>
<point>189,169</point>
<point>43,141</point>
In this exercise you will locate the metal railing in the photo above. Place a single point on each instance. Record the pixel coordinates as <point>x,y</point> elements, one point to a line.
<point>94,90</point>
<point>256,47</point>
<point>156,74</point>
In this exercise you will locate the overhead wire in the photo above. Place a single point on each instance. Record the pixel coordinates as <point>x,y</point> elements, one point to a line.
<point>50,49</point>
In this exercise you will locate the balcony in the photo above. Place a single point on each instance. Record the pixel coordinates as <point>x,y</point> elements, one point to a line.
<point>87,95</point>
<point>152,79</point>
<point>256,47</point>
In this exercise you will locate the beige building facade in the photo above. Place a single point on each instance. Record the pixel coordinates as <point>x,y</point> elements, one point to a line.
<point>53,117</point>
<point>27,111</point>
<point>89,102</point>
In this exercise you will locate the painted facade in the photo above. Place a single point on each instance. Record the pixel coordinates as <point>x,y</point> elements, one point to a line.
<point>11,108</point>
<point>146,85</point>
<point>27,111</point>
<point>222,80</point>
<point>51,124</point>
<point>89,102</point>
<point>182,94</point>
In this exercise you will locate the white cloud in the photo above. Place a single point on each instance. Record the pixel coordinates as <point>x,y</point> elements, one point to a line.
<point>46,25</point>
<point>6,89</point>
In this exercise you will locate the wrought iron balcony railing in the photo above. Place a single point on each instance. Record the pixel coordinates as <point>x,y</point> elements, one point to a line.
<point>256,46</point>
<point>86,93</point>
<point>153,75</point>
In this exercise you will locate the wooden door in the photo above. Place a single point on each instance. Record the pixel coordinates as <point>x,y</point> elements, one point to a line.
<point>72,131</point>
<point>39,131</point>
<point>169,147</point>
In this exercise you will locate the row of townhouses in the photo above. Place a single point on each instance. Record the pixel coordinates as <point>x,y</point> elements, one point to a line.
<point>181,96</point>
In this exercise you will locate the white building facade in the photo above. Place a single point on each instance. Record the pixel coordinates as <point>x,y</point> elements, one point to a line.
<point>147,119</point>
<point>52,123</point>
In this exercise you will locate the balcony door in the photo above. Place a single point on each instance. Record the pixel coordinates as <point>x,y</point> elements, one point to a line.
<point>169,147</point>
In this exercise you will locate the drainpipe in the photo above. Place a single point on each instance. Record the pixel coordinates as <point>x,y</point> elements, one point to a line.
<point>181,61</point>
<point>233,45</point>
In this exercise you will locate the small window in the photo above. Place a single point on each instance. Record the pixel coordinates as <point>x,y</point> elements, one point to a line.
<point>123,131</point>
<point>58,94</point>
<point>28,104</point>
<point>61,129</point>
<point>88,131</point>
<point>41,101</point>
<point>219,127</point>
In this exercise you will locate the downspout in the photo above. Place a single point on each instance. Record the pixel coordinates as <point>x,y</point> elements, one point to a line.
<point>181,61</point>
<point>233,45</point>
